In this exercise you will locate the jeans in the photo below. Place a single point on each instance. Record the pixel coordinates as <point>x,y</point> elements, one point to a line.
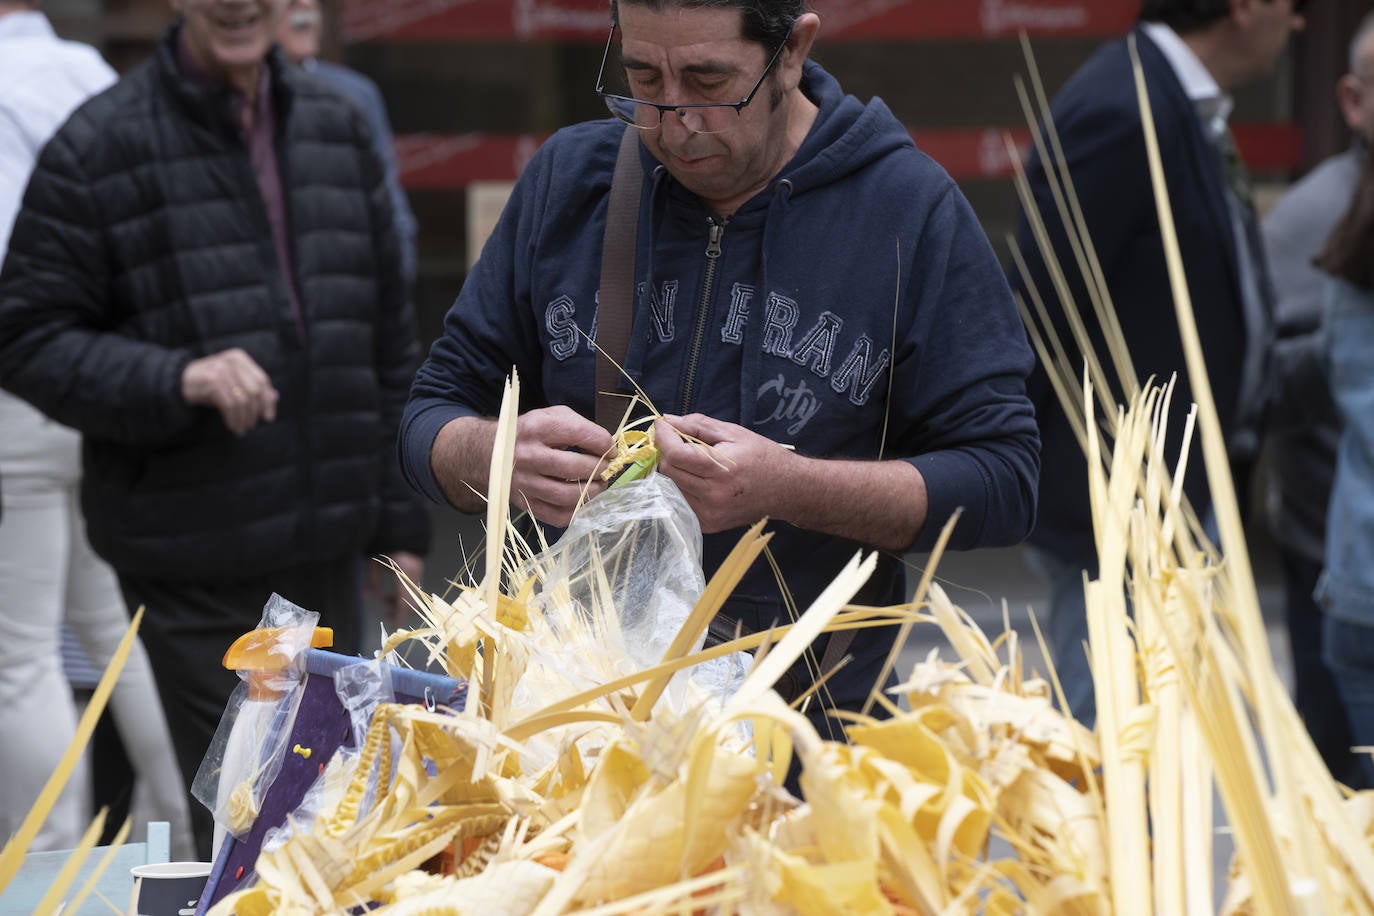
<point>1349,652</point>
<point>1067,630</point>
<point>1315,694</point>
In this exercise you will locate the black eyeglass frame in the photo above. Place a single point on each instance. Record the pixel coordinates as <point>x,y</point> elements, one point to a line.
<point>609,97</point>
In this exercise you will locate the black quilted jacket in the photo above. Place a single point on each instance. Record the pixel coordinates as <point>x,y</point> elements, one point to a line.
<point>143,243</point>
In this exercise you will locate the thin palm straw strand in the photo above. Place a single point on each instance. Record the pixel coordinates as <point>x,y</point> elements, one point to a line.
<point>1227,511</point>
<point>821,682</point>
<point>904,632</point>
<point>101,866</point>
<point>722,584</point>
<point>498,514</point>
<point>1198,803</point>
<point>1094,279</point>
<point>1160,681</point>
<point>639,392</point>
<point>789,603</point>
<point>966,639</point>
<point>1049,346</point>
<point>1056,375</point>
<point>1088,768</point>
<point>529,726</point>
<point>12,856</point>
<point>71,866</point>
<point>1111,323</point>
<point>1059,281</point>
<point>1114,679</point>
<point>1222,729</point>
<point>892,367</point>
<point>1076,235</point>
<point>810,625</point>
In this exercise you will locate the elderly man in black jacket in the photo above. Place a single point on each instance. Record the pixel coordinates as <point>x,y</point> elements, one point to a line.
<point>205,281</point>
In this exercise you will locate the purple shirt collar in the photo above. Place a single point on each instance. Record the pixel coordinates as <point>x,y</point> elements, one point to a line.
<point>195,73</point>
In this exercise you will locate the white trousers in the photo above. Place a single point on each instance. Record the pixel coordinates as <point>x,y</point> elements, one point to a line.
<point>48,574</point>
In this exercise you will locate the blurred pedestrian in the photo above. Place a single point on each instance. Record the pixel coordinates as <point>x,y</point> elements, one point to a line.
<point>1194,53</point>
<point>48,574</point>
<point>1346,588</point>
<point>1303,424</point>
<point>300,38</point>
<point>205,281</point>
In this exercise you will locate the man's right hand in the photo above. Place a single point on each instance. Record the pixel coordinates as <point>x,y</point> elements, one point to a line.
<point>235,385</point>
<point>558,458</point>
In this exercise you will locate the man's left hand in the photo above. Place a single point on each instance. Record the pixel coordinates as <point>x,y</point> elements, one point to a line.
<point>731,477</point>
<point>383,587</point>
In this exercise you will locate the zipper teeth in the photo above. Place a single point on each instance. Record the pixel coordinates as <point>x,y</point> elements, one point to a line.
<point>699,334</point>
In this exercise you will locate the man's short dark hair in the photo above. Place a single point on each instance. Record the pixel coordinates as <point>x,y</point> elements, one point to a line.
<point>1184,16</point>
<point>765,21</point>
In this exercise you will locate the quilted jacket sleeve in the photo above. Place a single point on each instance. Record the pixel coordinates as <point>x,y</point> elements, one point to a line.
<point>62,346</point>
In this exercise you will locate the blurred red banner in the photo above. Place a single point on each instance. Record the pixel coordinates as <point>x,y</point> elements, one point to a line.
<point>896,20</point>
<point>450,161</point>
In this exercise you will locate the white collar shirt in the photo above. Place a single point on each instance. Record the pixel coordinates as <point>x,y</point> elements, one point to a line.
<point>1212,105</point>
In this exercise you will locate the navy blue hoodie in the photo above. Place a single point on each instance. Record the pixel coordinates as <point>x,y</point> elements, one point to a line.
<point>856,311</point>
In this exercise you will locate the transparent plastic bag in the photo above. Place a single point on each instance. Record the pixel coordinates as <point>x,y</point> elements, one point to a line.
<point>246,754</point>
<point>635,549</point>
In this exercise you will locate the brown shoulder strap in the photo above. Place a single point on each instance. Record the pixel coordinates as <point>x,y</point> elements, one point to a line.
<point>615,301</point>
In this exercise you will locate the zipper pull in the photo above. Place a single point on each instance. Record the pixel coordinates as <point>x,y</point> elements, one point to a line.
<point>713,240</point>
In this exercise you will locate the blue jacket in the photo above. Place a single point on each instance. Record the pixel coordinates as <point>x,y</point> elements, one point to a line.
<point>1346,589</point>
<point>860,238</point>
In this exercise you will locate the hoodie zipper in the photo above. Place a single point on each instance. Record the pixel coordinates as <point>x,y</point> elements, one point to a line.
<point>715,233</point>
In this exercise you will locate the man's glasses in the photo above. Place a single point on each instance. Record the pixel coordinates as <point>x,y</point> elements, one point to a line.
<point>699,117</point>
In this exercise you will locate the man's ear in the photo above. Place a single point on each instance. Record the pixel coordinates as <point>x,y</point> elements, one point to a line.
<point>803,37</point>
<point>1349,91</point>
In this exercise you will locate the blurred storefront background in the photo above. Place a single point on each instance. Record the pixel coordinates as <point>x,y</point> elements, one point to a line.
<point>473,87</point>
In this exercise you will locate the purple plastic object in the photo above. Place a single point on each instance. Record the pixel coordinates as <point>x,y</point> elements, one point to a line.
<point>322,725</point>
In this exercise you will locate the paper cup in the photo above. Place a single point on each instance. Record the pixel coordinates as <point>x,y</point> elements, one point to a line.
<point>168,888</point>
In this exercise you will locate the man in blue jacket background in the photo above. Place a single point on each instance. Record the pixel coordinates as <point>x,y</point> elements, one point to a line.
<point>814,300</point>
<point>1193,53</point>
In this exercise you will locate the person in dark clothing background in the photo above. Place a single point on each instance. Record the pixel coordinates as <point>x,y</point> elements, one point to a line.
<point>1304,426</point>
<point>204,280</point>
<point>1193,53</point>
<point>300,38</point>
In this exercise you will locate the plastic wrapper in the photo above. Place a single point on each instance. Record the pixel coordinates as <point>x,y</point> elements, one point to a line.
<point>630,565</point>
<point>246,753</point>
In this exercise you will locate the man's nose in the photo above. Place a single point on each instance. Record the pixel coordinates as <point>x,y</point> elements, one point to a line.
<point>673,123</point>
